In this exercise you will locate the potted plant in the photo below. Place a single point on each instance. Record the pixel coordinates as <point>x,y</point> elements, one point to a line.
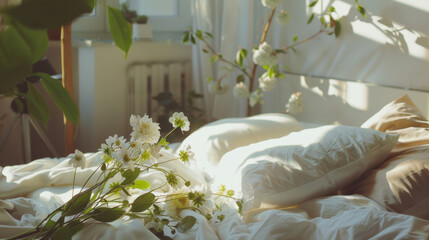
<point>141,29</point>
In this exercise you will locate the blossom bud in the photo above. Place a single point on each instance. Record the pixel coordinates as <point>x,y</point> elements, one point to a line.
<point>283,18</point>
<point>240,91</point>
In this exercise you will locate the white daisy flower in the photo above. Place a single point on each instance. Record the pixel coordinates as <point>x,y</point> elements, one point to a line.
<point>144,129</point>
<point>176,200</point>
<point>124,155</point>
<point>180,120</point>
<point>186,154</point>
<point>155,153</point>
<point>136,146</point>
<point>115,141</point>
<point>240,90</point>
<point>78,159</point>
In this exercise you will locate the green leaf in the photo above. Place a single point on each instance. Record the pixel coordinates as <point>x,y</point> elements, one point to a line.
<point>295,38</point>
<point>62,233</point>
<point>240,206</point>
<point>214,58</point>
<point>244,53</point>
<point>37,106</point>
<point>362,10</point>
<point>193,41</point>
<point>49,14</point>
<point>311,18</point>
<point>239,59</point>
<point>61,97</point>
<point>78,203</point>
<point>143,202</point>
<point>157,210</point>
<point>20,48</point>
<point>186,223</point>
<point>337,29</point>
<point>120,29</point>
<point>331,9</point>
<point>209,79</point>
<point>130,176</point>
<point>104,214</point>
<point>185,38</point>
<point>199,34</point>
<point>312,4</point>
<point>141,184</point>
<point>209,35</point>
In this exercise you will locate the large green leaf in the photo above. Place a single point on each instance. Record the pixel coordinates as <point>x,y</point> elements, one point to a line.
<point>120,29</point>
<point>20,48</point>
<point>143,202</point>
<point>141,184</point>
<point>37,105</point>
<point>62,233</point>
<point>61,97</point>
<point>186,223</point>
<point>78,203</point>
<point>104,214</point>
<point>130,176</point>
<point>46,14</point>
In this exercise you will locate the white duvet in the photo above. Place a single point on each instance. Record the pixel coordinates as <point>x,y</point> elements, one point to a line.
<point>29,192</point>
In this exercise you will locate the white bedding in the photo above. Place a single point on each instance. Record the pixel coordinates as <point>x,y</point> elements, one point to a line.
<point>29,192</point>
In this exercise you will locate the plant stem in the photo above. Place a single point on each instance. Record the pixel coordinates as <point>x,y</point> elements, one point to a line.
<point>284,49</point>
<point>255,66</point>
<point>210,48</point>
<point>74,178</point>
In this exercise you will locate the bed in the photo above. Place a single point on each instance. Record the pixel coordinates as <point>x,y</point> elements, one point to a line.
<point>324,182</point>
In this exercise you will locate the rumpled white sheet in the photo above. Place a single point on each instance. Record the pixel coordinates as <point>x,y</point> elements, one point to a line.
<point>31,191</point>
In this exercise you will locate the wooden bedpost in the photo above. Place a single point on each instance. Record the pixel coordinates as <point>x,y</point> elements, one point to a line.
<point>67,78</point>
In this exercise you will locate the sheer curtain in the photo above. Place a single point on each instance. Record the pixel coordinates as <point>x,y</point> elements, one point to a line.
<point>231,23</point>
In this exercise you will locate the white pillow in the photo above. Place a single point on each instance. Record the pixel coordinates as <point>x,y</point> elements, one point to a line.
<point>212,141</point>
<point>303,165</point>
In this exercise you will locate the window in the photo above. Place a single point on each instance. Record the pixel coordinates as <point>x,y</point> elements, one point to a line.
<point>168,18</point>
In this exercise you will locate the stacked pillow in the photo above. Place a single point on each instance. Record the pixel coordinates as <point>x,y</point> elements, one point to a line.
<point>302,165</point>
<point>401,183</point>
<point>212,141</point>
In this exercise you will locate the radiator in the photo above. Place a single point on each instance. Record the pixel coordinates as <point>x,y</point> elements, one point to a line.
<point>146,80</point>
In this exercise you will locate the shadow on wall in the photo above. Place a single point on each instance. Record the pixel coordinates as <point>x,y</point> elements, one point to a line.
<point>329,101</point>
<point>388,47</point>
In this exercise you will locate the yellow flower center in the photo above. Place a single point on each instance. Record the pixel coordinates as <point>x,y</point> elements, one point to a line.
<point>144,129</point>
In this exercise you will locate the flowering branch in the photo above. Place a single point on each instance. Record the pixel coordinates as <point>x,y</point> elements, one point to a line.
<point>265,56</point>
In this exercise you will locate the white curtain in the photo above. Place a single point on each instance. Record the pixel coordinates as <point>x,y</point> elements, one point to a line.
<point>231,22</point>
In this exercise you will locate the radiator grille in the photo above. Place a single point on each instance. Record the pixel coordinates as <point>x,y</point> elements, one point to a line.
<point>146,80</point>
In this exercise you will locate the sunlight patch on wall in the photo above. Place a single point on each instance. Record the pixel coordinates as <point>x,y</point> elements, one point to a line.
<point>384,31</point>
<point>418,4</point>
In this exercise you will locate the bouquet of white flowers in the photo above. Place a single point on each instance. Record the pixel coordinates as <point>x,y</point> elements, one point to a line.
<point>121,191</point>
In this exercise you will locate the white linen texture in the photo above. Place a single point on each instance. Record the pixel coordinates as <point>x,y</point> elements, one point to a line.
<point>302,165</point>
